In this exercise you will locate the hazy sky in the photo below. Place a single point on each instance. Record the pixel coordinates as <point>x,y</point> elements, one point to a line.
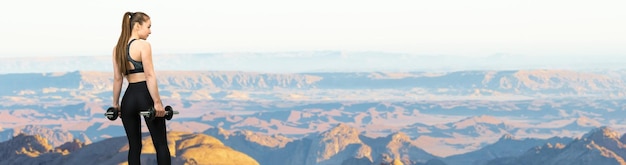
<point>450,27</point>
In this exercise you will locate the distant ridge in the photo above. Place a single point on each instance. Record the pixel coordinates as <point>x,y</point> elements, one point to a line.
<point>469,84</point>
<point>309,61</point>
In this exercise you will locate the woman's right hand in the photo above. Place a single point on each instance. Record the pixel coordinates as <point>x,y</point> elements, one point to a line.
<point>117,108</point>
<point>160,111</point>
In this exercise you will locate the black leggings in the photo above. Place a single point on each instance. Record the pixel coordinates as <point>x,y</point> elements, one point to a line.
<point>136,98</point>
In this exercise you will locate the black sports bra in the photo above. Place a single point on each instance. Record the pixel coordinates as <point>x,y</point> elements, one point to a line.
<point>137,64</point>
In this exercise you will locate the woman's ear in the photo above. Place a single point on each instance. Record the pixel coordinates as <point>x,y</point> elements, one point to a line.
<point>136,26</point>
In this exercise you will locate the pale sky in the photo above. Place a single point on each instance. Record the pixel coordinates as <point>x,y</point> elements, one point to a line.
<point>447,27</point>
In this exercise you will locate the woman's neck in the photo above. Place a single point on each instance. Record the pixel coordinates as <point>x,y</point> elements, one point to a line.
<point>134,36</point>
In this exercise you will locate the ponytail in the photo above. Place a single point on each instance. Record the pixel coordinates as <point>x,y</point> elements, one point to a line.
<point>121,49</point>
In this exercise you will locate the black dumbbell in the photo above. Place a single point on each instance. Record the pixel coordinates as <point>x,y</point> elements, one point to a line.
<point>112,113</point>
<point>150,113</point>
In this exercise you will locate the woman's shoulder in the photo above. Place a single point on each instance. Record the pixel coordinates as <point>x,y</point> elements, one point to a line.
<point>142,43</point>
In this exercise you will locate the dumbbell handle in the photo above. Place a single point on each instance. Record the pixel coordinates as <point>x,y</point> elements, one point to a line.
<point>142,113</point>
<point>145,113</point>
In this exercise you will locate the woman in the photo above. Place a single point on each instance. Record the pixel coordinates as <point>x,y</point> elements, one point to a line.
<point>132,59</point>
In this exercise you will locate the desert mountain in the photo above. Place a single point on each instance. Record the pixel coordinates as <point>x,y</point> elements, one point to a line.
<point>506,146</point>
<point>332,146</point>
<point>186,148</point>
<point>54,137</point>
<point>397,147</point>
<point>266,149</point>
<point>600,146</point>
<point>341,144</point>
<point>27,149</point>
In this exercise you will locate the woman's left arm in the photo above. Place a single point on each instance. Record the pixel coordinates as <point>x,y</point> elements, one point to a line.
<point>118,79</point>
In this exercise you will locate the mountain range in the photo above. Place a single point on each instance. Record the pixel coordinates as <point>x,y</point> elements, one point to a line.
<point>482,117</point>
<point>341,144</point>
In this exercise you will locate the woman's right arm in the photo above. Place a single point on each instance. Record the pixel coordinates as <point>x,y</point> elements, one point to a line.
<point>151,82</point>
<point>118,79</point>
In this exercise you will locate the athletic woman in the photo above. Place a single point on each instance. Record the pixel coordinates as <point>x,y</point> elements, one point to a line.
<point>132,59</point>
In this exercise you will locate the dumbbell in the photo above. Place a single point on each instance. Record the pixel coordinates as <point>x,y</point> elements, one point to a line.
<point>150,113</point>
<point>112,113</point>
